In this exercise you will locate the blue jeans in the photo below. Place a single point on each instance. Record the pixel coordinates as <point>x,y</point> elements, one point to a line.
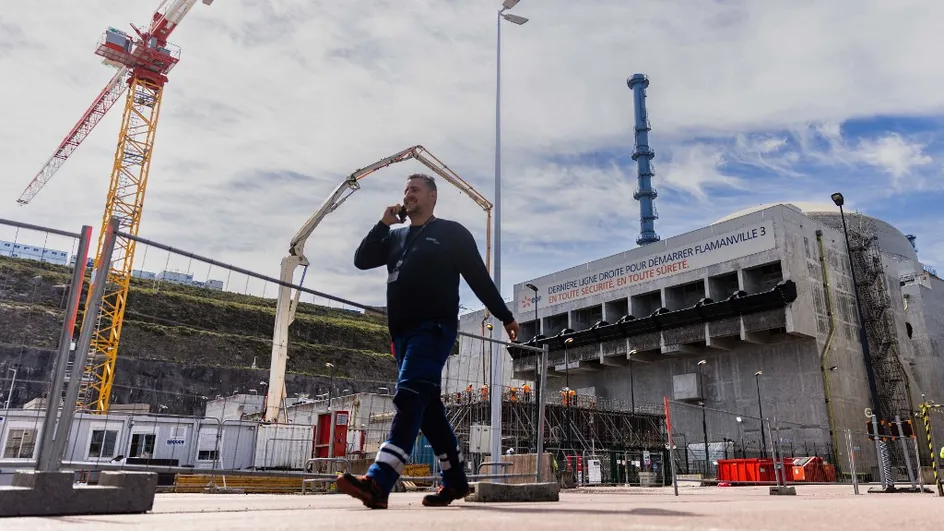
<point>421,354</point>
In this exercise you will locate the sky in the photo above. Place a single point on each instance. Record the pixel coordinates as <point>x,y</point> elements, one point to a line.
<point>274,103</point>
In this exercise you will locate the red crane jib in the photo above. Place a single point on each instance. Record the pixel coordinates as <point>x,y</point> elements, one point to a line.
<point>161,28</point>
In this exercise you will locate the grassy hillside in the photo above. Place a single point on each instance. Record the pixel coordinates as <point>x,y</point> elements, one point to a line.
<point>196,327</point>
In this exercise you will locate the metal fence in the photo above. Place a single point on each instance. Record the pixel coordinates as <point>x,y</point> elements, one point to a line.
<point>475,403</point>
<point>736,435</point>
<point>43,281</point>
<point>189,392</point>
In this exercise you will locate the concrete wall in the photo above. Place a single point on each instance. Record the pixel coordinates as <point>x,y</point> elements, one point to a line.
<point>925,313</point>
<point>834,304</point>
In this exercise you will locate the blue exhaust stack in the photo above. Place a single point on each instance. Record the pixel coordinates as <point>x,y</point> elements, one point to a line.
<point>643,156</point>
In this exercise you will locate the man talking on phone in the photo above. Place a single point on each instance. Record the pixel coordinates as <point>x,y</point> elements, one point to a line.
<point>424,261</point>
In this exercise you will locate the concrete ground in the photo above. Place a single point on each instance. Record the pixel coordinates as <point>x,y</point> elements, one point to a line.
<point>703,509</point>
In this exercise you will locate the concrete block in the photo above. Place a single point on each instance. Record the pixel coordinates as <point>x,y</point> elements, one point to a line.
<point>783,491</point>
<point>523,492</point>
<point>35,493</point>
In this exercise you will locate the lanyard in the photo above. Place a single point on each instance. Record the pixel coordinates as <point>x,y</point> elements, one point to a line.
<point>406,248</point>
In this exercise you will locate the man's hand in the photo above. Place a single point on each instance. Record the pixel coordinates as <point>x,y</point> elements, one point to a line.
<point>391,215</point>
<point>512,328</point>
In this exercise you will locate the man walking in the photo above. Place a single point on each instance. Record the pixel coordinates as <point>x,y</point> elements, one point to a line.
<point>423,262</point>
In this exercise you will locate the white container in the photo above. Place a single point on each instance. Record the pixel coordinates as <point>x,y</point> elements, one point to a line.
<point>283,446</point>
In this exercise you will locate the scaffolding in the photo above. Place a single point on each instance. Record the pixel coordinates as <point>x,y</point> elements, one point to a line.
<point>891,381</point>
<point>588,424</point>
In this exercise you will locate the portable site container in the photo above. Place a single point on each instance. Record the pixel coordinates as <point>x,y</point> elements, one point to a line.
<point>283,446</point>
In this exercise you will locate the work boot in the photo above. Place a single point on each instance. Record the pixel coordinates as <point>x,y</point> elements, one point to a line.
<point>365,489</point>
<point>446,495</point>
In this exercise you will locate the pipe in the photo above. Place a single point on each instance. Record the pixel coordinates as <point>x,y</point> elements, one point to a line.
<point>642,154</point>
<point>824,356</point>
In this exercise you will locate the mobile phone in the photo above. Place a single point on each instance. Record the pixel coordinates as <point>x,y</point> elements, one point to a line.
<point>402,214</point>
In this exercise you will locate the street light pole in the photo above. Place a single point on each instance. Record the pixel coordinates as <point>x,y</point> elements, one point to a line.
<point>496,371</point>
<point>570,402</point>
<point>760,411</point>
<point>10,394</point>
<point>704,420</point>
<point>839,200</point>
<point>875,411</point>
<point>567,341</point>
<point>537,322</point>
<point>740,436</point>
<point>538,366</point>
<point>330,383</point>
<point>491,335</point>
<point>632,380</point>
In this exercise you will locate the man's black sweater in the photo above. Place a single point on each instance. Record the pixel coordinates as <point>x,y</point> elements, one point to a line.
<point>427,282</point>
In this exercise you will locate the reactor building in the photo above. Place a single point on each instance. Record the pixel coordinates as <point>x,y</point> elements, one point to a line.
<point>757,310</point>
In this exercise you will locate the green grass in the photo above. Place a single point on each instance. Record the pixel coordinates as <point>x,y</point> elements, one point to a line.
<point>198,326</point>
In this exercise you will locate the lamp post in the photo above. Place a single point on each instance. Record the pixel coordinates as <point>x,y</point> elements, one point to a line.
<point>632,380</point>
<point>10,393</point>
<point>875,412</point>
<point>506,5</point>
<point>570,403</point>
<point>538,369</point>
<point>331,382</point>
<point>839,200</point>
<point>704,420</point>
<point>484,371</point>
<point>567,341</point>
<point>496,453</point>
<point>760,412</point>
<point>740,436</point>
<point>537,322</point>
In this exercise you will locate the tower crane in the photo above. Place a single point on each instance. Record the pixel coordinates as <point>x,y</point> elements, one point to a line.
<point>142,63</point>
<point>287,303</point>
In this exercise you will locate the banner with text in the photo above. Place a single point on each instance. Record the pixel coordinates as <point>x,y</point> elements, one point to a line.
<point>617,272</point>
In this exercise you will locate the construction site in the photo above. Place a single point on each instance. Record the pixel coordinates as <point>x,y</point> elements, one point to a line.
<point>789,343</point>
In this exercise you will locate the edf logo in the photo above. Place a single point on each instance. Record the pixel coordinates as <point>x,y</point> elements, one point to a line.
<point>528,301</point>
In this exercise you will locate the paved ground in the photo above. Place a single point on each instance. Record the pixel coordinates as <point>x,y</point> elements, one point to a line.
<point>704,509</point>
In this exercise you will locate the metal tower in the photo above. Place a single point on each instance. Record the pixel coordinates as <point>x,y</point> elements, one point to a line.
<point>643,156</point>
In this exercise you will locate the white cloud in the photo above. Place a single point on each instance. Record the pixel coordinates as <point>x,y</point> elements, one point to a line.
<point>694,167</point>
<point>320,89</point>
<point>894,155</point>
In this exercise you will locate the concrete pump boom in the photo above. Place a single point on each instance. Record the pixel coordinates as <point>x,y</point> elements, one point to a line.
<point>287,303</point>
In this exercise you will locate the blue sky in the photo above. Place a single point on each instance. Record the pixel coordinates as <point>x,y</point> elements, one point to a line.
<point>269,108</point>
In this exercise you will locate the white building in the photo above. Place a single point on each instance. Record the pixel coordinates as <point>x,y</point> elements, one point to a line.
<point>145,275</point>
<point>31,252</point>
<point>176,277</point>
